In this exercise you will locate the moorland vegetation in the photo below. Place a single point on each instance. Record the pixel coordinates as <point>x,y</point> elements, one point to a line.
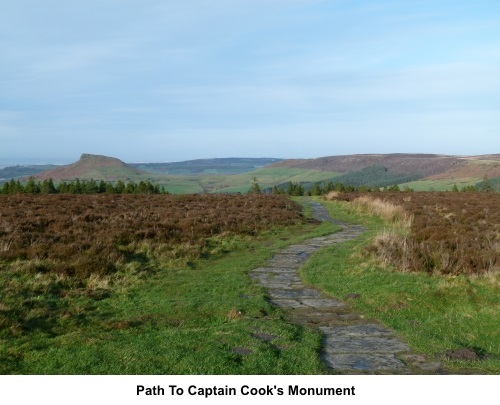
<point>89,234</point>
<point>147,284</point>
<point>427,266</point>
<point>435,232</point>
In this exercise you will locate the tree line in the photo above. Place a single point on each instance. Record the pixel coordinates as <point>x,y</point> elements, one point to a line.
<point>318,188</point>
<point>322,188</point>
<point>80,187</point>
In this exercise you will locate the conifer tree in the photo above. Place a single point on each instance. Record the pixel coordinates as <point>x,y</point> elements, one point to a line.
<point>31,187</point>
<point>255,188</point>
<point>47,187</point>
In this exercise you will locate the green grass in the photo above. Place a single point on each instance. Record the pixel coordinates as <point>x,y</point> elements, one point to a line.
<point>193,316</point>
<point>238,183</point>
<point>433,313</point>
<point>266,177</point>
<point>181,185</point>
<point>440,185</point>
<point>161,318</point>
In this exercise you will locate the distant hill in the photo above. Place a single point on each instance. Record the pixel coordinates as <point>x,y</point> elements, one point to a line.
<point>474,166</point>
<point>424,171</point>
<point>229,175</point>
<point>14,172</point>
<point>95,167</point>
<point>405,164</point>
<point>206,166</point>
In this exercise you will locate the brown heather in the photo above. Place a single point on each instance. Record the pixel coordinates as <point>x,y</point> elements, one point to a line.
<point>443,232</point>
<point>84,236</point>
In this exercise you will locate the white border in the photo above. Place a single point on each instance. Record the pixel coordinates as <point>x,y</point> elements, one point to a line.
<point>122,390</point>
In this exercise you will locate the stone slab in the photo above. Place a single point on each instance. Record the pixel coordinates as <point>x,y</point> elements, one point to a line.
<point>364,344</point>
<point>363,362</point>
<point>277,278</point>
<point>288,261</point>
<point>283,269</point>
<point>322,303</point>
<point>299,249</point>
<point>358,330</point>
<point>286,303</point>
<point>294,294</point>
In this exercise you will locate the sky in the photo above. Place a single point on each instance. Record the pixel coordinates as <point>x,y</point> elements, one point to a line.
<point>169,80</point>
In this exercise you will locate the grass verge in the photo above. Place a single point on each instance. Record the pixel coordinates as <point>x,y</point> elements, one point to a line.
<point>433,313</point>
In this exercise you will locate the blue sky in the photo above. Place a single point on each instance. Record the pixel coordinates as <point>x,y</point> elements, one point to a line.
<point>155,80</point>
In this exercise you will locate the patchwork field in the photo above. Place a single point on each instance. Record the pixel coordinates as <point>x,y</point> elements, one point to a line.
<point>266,177</point>
<point>440,185</point>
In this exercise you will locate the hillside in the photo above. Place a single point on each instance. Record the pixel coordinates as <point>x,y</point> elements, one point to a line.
<point>419,171</point>
<point>206,166</point>
<point>478,167</point>
<point>407,164</point>
<point>229,175</point>
<point>95,167</point>
<point>18,171</point>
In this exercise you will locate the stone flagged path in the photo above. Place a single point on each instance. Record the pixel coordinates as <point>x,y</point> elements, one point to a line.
<point>351,344</point>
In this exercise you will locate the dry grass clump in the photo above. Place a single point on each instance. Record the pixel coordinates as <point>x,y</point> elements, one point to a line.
<point>393,213</point>
<point>436,232</point>
<point>85,236</point>
<point>332,195</point>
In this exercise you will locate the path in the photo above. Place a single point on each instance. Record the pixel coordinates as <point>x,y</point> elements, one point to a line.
<point>351,344</point>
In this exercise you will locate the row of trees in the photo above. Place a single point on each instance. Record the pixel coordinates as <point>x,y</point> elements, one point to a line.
<point>321,188</point>
<point>80,187</point>
<point>300,189</point>
<point>486,185</point>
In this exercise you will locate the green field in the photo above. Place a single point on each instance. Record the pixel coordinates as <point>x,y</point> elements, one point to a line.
<point>180,184</point>
<point>237,183</point>
<point>266,177</point>
<point>440,185</point>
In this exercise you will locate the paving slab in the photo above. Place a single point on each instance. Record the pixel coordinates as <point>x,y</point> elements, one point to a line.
<point>358,330</point>
<point>287,261</point>
<point>299,249</point>
<point>363,362</point>
<point>322,303</point>
<point>289,304</point>
<point>364,344</point>
<point>300,294</point>
<point>274,270</point>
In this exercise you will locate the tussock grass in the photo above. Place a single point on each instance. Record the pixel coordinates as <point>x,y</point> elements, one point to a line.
<point>332,195</point>
<point>392,243</point>
<point>447,233</point>
<point>395,214</point>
